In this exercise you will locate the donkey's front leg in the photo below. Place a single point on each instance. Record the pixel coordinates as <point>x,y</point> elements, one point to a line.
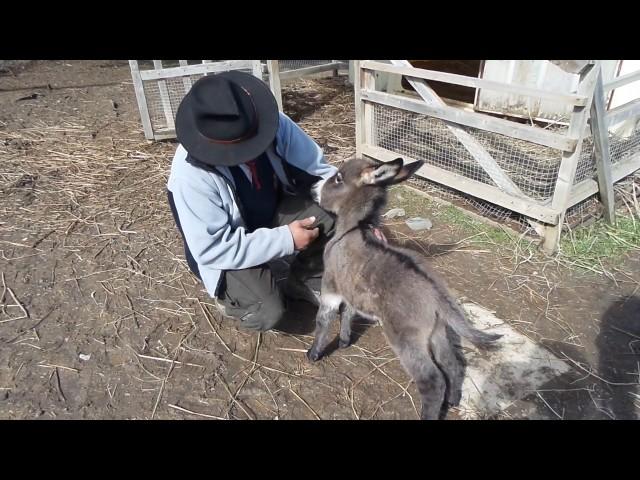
<point>346,317</point>
<point>329,307</point>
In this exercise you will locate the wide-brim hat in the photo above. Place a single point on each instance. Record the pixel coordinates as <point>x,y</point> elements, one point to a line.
<point>227,119</point>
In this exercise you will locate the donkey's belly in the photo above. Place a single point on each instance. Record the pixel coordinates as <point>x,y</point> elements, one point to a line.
<point>360,277</point>
<point>362,296</point>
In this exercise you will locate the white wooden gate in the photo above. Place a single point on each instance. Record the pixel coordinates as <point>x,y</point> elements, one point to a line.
<point>160,87</point>
<point>536,172</point>
<point>285,70</point>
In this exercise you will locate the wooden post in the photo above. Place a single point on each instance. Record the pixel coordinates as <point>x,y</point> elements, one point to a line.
<point>256,67</point>
<point>274,81</point>
<point>600,134</point>
<point>335,71</point>
<point>186,80</point>
<point>368,80</point>
<point>207,61</point>
<point>142,101</point>
<point>569,162</point>
<point>357,86</point>
<point>164,98</point>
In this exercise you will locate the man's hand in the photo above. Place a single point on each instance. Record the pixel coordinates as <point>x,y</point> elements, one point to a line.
<point>302,234</point>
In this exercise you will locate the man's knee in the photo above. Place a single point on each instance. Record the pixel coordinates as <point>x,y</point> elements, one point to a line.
<point>264,315</point>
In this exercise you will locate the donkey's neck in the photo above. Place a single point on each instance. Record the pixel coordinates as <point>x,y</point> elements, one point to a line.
<point>362,210</point>
<point>359,213</point>
<point>345,225</point>
<point>344,229</point>
<point>366,227</point>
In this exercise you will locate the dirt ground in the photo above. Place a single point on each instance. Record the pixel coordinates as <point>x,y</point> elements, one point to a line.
<point>102,319</point>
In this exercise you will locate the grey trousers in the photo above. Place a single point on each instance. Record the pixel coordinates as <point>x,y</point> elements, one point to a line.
<point>253,295</point>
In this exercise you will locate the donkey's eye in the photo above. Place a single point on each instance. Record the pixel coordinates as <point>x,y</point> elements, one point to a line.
<point>338,178</point>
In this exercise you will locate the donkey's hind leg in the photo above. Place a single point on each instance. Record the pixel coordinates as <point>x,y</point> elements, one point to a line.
<point>417,361</point>
<point>346,318</point>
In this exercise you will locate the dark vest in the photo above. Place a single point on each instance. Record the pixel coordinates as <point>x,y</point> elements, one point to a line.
<point>299,180</point>
<point>259,199</point>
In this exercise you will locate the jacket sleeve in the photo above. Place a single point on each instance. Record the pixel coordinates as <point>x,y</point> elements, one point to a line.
<point>299,149</point>
<point>212,240</point>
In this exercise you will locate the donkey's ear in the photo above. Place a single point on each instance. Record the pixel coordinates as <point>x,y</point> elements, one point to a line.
<point>384,174</point>
<point>406,171</point>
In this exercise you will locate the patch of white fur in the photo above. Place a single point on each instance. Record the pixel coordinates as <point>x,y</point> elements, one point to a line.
<point>331,300</point>
<point>371,318</point>
<point>316,190</point>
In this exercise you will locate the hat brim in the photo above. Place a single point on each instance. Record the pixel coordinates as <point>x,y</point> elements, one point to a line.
<point>229,155</point>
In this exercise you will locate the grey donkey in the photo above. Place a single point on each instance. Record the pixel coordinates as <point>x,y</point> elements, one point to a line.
<point>395,286</point>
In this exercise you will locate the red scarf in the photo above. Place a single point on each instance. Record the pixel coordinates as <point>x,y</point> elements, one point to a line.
<point>254,174</point>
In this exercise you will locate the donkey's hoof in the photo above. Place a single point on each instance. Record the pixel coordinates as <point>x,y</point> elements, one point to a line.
<point>344,343</point>
<point>313,355</point>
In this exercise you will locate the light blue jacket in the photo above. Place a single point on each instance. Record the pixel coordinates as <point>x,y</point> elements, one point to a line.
<point>210,217</point>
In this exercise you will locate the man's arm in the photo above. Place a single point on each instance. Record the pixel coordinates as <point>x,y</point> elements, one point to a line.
<point>300,150</point>
<point>212,240</point>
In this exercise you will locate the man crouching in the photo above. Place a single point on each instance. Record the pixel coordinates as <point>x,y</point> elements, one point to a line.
<point>239,191</point>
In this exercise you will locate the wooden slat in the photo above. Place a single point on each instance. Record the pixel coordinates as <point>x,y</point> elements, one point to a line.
<point>621,81</point>
<point>300,72</point>
<point>567,170</point>
<point>369,83</point>
<point>619,114</point>
<point>164,97</point>
<point>204,62</point>
<point>335,70</point>
<point>601,143</point>
<point>165,134</point>
<point>472,187</point>
<point>198,69</point>
<point>620,170</point>
<point>257,69</point>
<point>141,99</point>
<point>623,112</point>
<point>274,81</point>
<point>475,149</point>
<point>465,81</point>
<point>474,119</point>
<point>357,84</point>
<point>186,81</point>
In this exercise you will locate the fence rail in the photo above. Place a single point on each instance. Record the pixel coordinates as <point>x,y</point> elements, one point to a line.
<point>465,81</point>
<point>160,89</point>
<point>497,160</point>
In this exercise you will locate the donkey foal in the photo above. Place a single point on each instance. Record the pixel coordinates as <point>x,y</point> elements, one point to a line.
<point>395,286</point>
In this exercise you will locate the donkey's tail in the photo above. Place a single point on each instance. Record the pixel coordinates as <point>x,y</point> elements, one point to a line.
<point>458,321</point>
